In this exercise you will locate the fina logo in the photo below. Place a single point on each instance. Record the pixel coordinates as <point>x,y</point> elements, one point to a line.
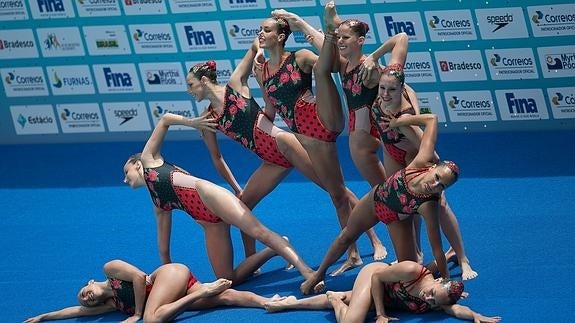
<point>50,5</point>
<point>394,27</point>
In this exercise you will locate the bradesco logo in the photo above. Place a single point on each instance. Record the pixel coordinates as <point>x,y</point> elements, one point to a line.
<point>144,7</point>
<point>521,104</point>
<point>463,65</point>
<point>24,81</point>
<point>33,119</point>
<point>17,43</point>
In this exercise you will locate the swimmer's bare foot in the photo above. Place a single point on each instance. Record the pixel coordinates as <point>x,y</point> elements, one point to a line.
<point>216,287</point>
<point>280,305</point>
<point>312,284</point>
<point>350,263</point>
<point>379,252</point>
<point>330,17</point>
<point>466,271</point>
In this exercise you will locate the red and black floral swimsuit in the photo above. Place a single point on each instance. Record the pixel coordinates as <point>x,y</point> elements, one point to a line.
<point>239,122</point>
<point>124,297</point>
<point>358,96</point>
<point>285,90</point>
<point>168,196</point>
<point>396,295</point>
<point>394,197</point>
<point>390,136</point>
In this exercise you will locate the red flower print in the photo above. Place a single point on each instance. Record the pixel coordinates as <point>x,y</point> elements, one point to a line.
<point>233,109</point>
<point>227,124</point>
<point>116,284</point>
<point>412,306</point>
<point>295,76</point>
<point>153,175</point>
<point>272,88</point>
<point>403,199</point>
<point>283,109</point>
<point>348,85</point>
<point>290,68</point>
<point>284,77</point>
<point>396,287</point>
<point>356,89</point>
<point>244,141</point>
<point>241,103</point>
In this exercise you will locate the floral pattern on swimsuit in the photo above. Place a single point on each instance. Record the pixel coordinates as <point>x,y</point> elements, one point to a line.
<point>285,87</point>
<point>239,118</point>
<point>394,196</point>
<point>124,298</point>
<point>396,295</point>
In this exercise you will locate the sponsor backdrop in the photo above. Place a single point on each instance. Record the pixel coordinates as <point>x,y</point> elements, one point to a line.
<point>106,70</point>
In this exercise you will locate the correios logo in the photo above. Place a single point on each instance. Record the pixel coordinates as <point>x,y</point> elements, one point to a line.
<point>495,59</point>
<point>453,102</point>
<point>537,16</point>
<point>138,34</point>
<point>433,22</point>
<point>234,30</point>
<point>65,114</point>
<point>557,98</point>
<point>159,111</point>
<point>9,78</point>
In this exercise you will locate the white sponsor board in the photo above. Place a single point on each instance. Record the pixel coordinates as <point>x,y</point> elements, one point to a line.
<point>34,119</point>
<point>126,116</point>
<point>80,117</point>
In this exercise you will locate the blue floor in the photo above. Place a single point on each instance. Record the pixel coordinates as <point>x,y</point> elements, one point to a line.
<point>65,212</point>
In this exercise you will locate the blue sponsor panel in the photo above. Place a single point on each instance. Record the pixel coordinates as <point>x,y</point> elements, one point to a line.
<point>107,70</point>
